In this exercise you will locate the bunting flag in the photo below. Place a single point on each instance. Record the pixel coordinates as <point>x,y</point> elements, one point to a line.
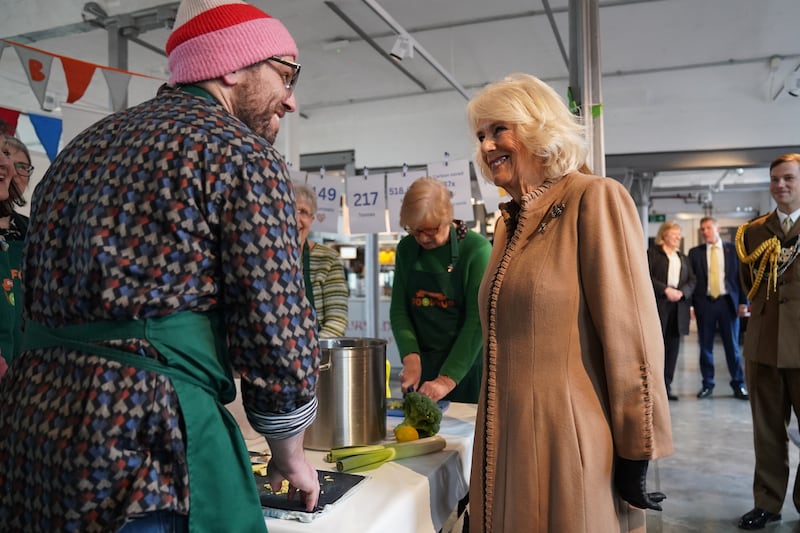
<point>117,81</point>
<point>11,117</point>
<point>36,65</point>
<point>48,129</point>
<point>79,74</point>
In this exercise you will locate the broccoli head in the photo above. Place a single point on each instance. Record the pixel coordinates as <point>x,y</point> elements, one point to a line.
<point>422,413</point>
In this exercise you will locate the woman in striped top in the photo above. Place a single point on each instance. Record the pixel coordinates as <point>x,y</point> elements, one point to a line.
<point>326,287</point>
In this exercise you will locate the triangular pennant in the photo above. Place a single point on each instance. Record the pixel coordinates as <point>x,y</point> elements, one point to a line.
<point>10,117</point>
<point>37,66</point>
<point>79,74</point>
<point>117,81</point>
<point>48,129</point>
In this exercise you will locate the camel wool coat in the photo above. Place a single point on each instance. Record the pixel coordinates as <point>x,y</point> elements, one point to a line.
<point>573,368</point>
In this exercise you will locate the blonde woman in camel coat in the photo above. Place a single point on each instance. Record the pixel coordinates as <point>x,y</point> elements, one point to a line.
<point>573,404</point>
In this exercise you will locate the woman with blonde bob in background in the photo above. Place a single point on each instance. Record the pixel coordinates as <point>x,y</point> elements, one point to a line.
<point>573,404</point>
<point>673,284</point>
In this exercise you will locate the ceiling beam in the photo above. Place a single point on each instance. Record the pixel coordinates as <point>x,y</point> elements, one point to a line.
<point>654,162</point>
<point>557,34</point>
<point>388,19</point>
<point>369,40</point>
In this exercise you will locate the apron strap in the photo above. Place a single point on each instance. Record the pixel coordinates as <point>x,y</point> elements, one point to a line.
<point>307,274</point>
<point>221,483</point>
<point>453,249</point>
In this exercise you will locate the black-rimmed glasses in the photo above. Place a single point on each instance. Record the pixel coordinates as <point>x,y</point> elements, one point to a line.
<point>289,81</point>
<point>23,169</point>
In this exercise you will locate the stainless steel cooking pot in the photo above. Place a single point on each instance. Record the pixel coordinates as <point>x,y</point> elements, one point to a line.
<point>351,393</point>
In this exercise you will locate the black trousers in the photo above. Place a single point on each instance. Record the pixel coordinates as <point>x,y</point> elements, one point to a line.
<point>672,343</point>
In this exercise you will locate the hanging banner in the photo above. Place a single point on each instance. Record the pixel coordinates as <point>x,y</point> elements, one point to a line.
<point>78,75</point>
<point>117,81</point>
<point>36,65</point>
<point>366,203</point>
<point>48,129</point>
<point>329,190</point>
<point>396,185</point>
<point>455,175</point>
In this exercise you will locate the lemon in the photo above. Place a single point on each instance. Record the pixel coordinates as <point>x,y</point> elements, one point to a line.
<point>405,433</point>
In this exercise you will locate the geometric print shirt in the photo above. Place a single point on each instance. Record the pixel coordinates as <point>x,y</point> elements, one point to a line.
<point>171,205</point>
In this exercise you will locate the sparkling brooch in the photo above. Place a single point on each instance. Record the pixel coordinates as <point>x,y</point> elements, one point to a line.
<point>556,211</point>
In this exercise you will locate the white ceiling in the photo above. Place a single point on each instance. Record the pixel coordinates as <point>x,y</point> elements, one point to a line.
<point>475,40</point>
<point>662,61</point>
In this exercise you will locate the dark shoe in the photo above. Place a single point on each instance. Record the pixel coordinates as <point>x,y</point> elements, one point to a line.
<point>757,518</point>
<point>740,392</point>
<point>672,397</point>
<point>705,392</point>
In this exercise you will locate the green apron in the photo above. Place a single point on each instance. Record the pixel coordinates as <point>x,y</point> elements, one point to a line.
<point>437,310</point>
<point>11,298</point>
<point>222,488</point>
<point>307,274</point>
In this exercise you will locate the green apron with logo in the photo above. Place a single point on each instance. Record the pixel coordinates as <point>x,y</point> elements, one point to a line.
<point>11,298</point>
<point>222,489</point>
<point>437,310</point>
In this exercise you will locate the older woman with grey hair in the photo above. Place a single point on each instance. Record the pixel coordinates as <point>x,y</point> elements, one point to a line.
<point>326,287</point>
<point>434,309</point>
<point>573,404</point>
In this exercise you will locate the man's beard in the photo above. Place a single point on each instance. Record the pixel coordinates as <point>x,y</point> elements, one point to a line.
<point>252,107</point>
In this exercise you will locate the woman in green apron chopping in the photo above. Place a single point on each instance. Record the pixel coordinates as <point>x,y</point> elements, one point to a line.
<point>434,308</point>
<point>13,226</point>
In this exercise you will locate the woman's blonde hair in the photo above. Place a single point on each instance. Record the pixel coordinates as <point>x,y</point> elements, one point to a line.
<point>426,203</point>
<point>539,117</point>
<point>665,227</point>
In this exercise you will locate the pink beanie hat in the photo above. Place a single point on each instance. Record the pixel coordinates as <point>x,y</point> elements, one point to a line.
<point>214,37</point>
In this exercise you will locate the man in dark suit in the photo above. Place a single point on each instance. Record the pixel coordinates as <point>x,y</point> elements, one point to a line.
<point>718,301</point>
<point>772,341</point>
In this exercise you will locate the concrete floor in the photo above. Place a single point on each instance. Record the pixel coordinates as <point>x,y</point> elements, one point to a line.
<point>708,479</point>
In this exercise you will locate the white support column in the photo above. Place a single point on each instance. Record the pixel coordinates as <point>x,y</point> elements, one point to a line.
<point>585,75</point>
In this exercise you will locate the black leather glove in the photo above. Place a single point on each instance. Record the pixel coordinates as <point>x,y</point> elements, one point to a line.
<point>630,478</point>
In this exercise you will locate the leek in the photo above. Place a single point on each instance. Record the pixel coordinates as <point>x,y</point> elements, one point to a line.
<point>364,461</point>
<point>360,458</point>
<point>423,446</point>
<point>335,453</point>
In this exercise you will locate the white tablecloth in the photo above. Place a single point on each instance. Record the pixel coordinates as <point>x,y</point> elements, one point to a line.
<point>396,498</point>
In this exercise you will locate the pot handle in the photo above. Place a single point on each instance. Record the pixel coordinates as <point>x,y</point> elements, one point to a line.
<point>325,365</point>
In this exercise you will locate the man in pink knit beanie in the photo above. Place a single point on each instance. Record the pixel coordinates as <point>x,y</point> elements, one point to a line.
<point>165,257</point>
<point>215,39</point>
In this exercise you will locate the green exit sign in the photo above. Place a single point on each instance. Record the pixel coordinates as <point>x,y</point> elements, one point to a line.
<point>656,218</point>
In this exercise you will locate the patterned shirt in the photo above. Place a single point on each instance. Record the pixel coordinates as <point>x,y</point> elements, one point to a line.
<point>171,205</point>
